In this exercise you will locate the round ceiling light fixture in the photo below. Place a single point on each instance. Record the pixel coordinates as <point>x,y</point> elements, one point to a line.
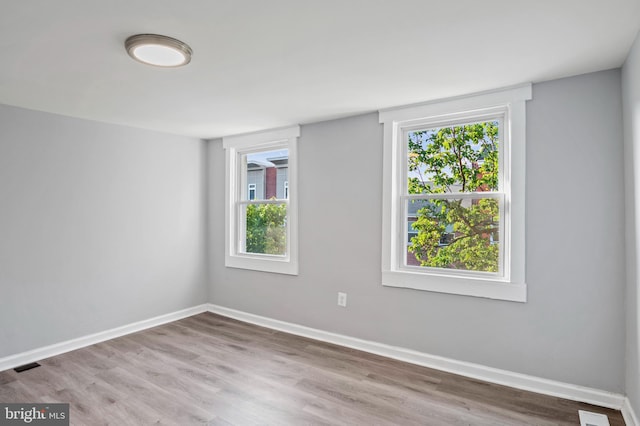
<point>158,50</point>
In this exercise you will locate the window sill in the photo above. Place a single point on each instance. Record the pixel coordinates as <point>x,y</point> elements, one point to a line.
<point>467,286</point>
<point>273,265</point>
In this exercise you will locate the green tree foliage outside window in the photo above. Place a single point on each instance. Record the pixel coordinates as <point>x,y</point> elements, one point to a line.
<point>266,229</point>
<point>455,233</point>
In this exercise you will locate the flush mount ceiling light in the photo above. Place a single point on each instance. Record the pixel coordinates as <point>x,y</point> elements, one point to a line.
<point>158,50</point>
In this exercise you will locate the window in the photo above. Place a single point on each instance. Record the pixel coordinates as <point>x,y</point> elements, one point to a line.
<point>454,195</point>
<point>261,216</point>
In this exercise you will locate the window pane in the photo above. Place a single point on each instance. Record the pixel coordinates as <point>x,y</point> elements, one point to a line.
<point>266,173</point>
<point>454,233</point>
<point>461,158</point>
<point>265,230</point>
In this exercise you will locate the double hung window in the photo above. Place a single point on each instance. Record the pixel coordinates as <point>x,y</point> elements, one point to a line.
<point>454,195</point>
<point>261,214</point>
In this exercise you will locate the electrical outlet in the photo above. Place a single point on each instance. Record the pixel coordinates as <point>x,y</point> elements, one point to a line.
<point>342,299</point>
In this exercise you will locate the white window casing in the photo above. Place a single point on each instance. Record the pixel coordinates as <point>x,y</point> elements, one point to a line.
<point>506,105</point>
<point>236,146</point>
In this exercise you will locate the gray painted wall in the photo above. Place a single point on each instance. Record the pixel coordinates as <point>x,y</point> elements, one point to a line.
<point>631,110</point>
<point>572,327</point>
<point>100,226</point>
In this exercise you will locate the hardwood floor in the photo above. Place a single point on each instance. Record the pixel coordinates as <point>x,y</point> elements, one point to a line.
<point>208,369</point>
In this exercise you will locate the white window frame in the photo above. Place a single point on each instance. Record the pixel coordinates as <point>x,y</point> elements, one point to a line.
<point>286,189</point>
<point>509,283</point>
<point>252,187</point>
<point>235,147</point>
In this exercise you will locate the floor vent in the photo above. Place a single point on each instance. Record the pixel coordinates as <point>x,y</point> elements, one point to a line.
<point>26,367</point>
<point>588,418</point>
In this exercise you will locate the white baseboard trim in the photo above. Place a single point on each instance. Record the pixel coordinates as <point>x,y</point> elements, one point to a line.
<point>629,415</point>
<point>16,360</point>
<point>476,371</point>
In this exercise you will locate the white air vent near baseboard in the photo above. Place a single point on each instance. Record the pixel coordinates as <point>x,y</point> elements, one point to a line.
<point>588,418</point>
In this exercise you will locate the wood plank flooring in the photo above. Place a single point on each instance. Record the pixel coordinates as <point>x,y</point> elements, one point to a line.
<point>208,369</point>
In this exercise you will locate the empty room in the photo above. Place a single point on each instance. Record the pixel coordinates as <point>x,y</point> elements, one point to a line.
<point>354,212</point>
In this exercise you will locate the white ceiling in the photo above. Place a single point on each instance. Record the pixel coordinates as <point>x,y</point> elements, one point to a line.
<point>261,64</point>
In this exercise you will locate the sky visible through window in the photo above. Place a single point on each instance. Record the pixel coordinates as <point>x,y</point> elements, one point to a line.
<point>263,156</point>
